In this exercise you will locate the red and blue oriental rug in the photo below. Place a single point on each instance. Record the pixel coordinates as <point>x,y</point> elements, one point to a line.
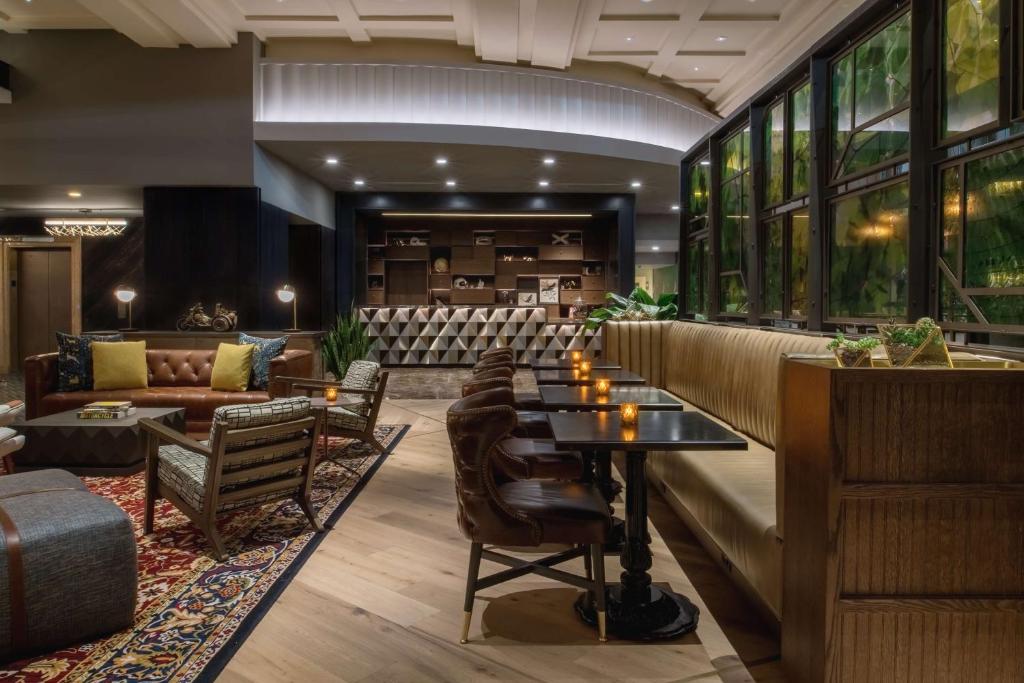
<point>193,611</point>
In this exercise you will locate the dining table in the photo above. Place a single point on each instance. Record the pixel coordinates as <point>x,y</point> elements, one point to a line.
<point>572,377</point>
<point>586,397</point>
<point>567,364</point>
<point>636,609</point>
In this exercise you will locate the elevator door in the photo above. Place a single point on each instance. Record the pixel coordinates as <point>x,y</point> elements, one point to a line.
<point>44,299</point>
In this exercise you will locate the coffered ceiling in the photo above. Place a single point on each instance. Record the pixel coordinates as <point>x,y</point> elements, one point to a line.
<point>722,49</point>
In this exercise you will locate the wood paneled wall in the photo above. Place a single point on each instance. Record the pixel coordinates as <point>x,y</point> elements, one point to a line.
<point>904,549</point>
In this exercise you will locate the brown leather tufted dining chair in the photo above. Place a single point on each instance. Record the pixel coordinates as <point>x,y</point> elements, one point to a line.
<point>520,513</point>
<point>533,423</point>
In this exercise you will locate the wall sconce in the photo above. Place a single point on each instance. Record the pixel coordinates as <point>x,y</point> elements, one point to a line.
<point>629,412</point>
<point>577,356</point>
<point>602,386</point>
<point>331,394</point>
<point>126,295</point>
<point>286,295</point>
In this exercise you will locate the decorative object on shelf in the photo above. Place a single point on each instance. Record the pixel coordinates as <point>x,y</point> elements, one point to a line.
<point>576,357</point>
<point>629,412</point>
<point>331,394</point>
<point>417,242</point>
<point>578,309</point>
<point>375,282</point>
<point>853,353</point>
<point>918,344</point>
<point>286,295</point>
<point>223,319</point>
<point>397,242</point>
<point>549,290</point>
<point>126,295</point>
<point>460,283</point>
<point>570,284</point>
<point>347,341</point>
<point>480,284</point>
<point>560,238</point>
<point>440,265</point>
<point>483,240</point>
<point>639,305</point>
<point>506,296</point>
<point>602,386</point>
<point>527,298</point>
<point>593,269</point>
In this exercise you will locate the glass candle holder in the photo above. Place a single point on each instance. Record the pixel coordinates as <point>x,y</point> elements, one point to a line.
<point>577,356</point>
<point>585,366</point>
<point>629,413</point>
<point>602,386</point>
<point>331,393</point>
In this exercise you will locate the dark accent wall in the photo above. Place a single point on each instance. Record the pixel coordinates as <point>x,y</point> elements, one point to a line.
<point>272,238</point>
<point>311,271</point>
<point>106,263</point>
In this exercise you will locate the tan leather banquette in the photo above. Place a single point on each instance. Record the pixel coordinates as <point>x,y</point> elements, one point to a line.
<point>177,378</point>
<point>732,500</point>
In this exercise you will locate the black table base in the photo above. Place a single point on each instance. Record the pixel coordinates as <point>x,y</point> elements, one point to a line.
<point>663,615</point>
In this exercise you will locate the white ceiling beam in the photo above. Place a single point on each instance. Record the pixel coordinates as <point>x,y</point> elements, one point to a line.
<point>135,21</point>
<point>586,27</point>
<point>349,18</point>
<point>496,30</point>
<point>525,37</point>
<point>462,14</point>
<point>554,32</point>
<point>193,22</point>
<point>684,27</point>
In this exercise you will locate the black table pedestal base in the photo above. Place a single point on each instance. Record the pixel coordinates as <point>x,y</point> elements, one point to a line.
<point>666,615</point>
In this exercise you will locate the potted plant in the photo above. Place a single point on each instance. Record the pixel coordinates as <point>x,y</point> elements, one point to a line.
<point>639,305</point>
<point>853,353</point>
<point>345,342</point>
<point>917,344</point>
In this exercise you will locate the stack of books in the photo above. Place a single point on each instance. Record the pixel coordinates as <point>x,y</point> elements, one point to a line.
<point>106,410</point>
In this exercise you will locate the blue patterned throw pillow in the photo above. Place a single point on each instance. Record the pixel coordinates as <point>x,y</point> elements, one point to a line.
<point>265,351</point>
<point>74,359</point>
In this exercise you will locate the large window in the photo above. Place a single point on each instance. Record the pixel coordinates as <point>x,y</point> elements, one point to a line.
<point>775,154</point>
<point>871,101</point>
<point>785,249</point>
<point>697,251</point>
<point>735,216</point>
<point>970,65</point>
<point>800,140</point>
<point>981,266</point>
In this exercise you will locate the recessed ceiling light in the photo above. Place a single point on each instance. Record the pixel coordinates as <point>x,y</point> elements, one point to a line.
<point>358,182</point>
<point>629,39</point>
<point>74,194</point>
<point>696,68</point>
<point>636,183</point>
<point>333,161</point>
<point>675,207</point>
<point>441,161</point>
<point>721,39</point>
<point>655,248</point>
<point>449,183</point>
<point>705,162</point>
<point>549,161</point>
<point>543,183</point>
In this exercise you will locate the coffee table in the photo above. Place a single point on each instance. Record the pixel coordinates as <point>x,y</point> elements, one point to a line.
<point>90,447</point>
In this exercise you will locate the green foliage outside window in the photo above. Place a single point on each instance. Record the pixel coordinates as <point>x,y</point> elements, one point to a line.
<point>700,180</point>
<point>799,261</point>
<point>697,278</point>
<point>774,161</point>
<point>734,293</point>
<point>951,218</point>
<point>885,140</point>
<point>800,140</point>
<point>735,198</point>
<point>970,65</point>
<point>868,254</point>
<point>771,269</point>
<point>883,71</point>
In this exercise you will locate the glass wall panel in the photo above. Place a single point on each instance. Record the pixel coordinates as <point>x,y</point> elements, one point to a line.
<point>970,65</point>
<point>951,218</point>
<point>868,254</point>
<point>842,106</point>
<point>800,140</point>
<point>700,179</point>
<point>772,269</point>
<point>735,215</point>
<point>799,260</point>
<point>733,157</point>
<point>994,229</point>
<point>885,140</point>
<point>734,293</point>
<point>775,155</point>
<point>883,71</point>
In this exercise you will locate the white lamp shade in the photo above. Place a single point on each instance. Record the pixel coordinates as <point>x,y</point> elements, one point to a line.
<point>125,294</point>
<point>286,294</point>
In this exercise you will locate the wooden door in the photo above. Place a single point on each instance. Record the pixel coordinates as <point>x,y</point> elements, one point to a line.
<point>43,299</point>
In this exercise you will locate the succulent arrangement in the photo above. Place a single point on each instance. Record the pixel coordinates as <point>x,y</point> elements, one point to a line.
<point>917,344</point>
<point>852,353</point>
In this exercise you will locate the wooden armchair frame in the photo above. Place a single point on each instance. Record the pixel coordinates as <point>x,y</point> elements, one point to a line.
<point>206,519</point>
<point>309,386</point>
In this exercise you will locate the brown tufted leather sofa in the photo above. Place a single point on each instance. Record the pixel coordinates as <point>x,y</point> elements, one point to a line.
<point>732,500</point>
<point>178,378</point>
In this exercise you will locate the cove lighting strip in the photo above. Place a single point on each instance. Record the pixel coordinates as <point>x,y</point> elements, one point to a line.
<point>102,227</point>
<point>464,214</point>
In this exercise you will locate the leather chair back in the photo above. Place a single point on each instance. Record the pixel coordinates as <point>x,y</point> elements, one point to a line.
<point>476,424</point>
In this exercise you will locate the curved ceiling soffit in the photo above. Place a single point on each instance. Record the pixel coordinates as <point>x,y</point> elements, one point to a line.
<point>472,104</point>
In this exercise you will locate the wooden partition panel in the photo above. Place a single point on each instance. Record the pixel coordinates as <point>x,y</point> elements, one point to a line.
<point>904,541</point>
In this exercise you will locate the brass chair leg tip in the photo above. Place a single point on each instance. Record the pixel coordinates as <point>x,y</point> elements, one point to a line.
<point>463,641</point>
<point>467,617</point>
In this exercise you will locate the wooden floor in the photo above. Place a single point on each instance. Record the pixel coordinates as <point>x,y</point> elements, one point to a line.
<point>381,598</point>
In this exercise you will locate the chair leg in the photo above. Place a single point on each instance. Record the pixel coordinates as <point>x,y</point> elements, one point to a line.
<point>475,551</point>
<point>219,551</point>
<point>307,506</point>
<point>151,494</point>
<point>597,560</point>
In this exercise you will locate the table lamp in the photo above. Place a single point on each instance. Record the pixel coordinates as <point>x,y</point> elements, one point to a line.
<point>126,295</point>
<point>286,295</point>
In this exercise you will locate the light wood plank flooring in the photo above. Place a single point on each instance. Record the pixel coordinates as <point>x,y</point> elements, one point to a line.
<point>381,598</point>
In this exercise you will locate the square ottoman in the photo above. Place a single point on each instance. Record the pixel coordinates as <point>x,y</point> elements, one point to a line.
<point>68,565</point>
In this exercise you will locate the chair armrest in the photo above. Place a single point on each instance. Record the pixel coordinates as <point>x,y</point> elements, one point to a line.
<point>10,411</point>
<point>168,435</point>
<point>294,363</point>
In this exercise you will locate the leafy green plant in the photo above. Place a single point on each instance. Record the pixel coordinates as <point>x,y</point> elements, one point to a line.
<point>639,305</point>
<point>862,344</point>
<point>345,342</point>
<point>894,335</point>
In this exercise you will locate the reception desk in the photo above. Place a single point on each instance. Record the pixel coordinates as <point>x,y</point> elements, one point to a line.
<point>456,335</point>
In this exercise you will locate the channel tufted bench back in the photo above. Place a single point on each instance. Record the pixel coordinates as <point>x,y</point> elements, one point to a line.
<point>176,367</point>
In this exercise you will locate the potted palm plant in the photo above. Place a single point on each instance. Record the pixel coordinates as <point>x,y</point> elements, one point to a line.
<point>345,342</point>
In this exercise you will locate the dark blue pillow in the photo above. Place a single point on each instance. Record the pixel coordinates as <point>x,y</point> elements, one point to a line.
<point>74,359</point>
<point>265,351</point>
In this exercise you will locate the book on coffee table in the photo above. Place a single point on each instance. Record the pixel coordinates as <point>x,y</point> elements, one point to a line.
<point>106,410</point>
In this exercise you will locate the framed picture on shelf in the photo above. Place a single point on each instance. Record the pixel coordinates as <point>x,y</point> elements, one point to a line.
<point>549,290</point>
<point>527,298</point>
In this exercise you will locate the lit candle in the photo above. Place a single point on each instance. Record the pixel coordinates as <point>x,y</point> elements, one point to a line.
<point>577,356</point>
<point>331,393</point>
<point>585,366</point>
<point>629,412</point>
<point>602,386</point>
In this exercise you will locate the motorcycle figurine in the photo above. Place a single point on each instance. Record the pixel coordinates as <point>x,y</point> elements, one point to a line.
<point>223,320</point>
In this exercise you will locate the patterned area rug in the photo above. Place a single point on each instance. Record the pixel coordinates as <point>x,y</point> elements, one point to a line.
<point>193,611</point>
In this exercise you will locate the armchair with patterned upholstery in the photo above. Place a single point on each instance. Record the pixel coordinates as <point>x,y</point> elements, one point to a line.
<point>10,440</point>
<point>256,453</point>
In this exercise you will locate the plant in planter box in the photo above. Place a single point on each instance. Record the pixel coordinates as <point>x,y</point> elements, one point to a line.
<point>639,305</point>
<point>345,342</point>
<point>853,353</point>
<point>917,344</point>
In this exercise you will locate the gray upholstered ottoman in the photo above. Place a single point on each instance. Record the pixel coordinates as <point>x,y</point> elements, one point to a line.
<point>68,566</point>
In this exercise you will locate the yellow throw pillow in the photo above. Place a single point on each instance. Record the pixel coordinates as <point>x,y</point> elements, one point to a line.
<point>232,366</point>
<point>119,365</point>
